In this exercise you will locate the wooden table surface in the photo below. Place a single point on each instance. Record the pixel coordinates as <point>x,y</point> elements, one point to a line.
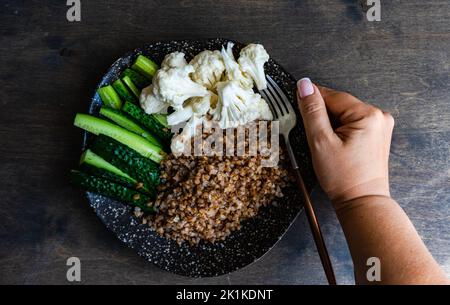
<point>49,68</point>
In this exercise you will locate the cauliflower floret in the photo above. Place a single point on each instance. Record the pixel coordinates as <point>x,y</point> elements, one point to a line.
<point>193,106</point>
<point>174,86</point>
<point>238,106</point>
<point>201,105</point>
<point>252,59</point>
<point>209,67</point>
<point>151,103</point>
<point>174,60</point>
<point>171,87</point>
<point>233,71</point>
<point>180,115</point>
<point>181,141</point>
<point>260,109</point>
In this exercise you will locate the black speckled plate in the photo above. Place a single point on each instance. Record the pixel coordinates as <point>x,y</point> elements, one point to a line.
<point>257,236</point>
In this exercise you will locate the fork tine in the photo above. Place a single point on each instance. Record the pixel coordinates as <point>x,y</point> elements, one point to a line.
<point>286,102</point>
<point>269,101</point>
<point>278,101</point>
<point>274,99</point>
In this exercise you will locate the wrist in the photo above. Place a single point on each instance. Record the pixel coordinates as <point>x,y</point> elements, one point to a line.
<point>378,187</point>
<point>360,202</point>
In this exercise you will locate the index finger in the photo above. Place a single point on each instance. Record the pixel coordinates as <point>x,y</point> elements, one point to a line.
<point>343,105</point>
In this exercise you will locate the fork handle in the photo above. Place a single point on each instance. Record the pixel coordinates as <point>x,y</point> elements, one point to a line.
<point>312,219</point>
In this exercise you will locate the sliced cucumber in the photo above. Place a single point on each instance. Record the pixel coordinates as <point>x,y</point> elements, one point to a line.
<point>102,173</point>
<point>89,157</point>
<point>145,66</point>
<point>127,80</point>
<point>111,189</point>
<point>149,122</point>
<point>93,164</point>
<point>162,118</point>
<point>110,97</point>
<point>99,126</point>
<point>127,160</point>
<point>123,91</point>
<point>138,79</point>
<point>121,119</point>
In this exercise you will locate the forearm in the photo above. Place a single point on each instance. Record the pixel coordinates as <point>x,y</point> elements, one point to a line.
<point>376,226</point>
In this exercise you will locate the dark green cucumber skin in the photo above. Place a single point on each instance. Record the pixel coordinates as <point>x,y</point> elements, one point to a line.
<point>104,174</point>
<point>148,121</point>
<point>123,91</point>
<point>138,79</point>
<point>127,160</point>
<point>111,189</point>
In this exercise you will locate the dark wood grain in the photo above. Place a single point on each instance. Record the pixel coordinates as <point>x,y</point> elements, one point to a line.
<point>49,67</point>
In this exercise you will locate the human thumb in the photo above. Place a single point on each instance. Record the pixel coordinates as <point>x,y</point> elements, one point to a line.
<point>313,110</point>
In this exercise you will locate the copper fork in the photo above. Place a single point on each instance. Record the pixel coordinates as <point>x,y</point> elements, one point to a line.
<point>283,112</point>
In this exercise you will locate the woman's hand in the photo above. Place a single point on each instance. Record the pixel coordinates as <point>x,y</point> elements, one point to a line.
<point>350,161</point>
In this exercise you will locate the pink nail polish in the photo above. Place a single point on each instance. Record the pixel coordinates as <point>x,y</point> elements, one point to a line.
<point>305,87</point>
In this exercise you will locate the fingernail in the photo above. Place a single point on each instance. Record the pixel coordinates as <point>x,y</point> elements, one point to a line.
<point>305,87</point>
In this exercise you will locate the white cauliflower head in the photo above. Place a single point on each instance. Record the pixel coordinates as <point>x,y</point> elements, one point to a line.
<point>174,86</point>
<point>209,67</point>
<point>193,106</point>
<point>238,106</point>
<point>252,59</point>
<point>174,60</point>
<point>233,71</point>
<point>151,103</point>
